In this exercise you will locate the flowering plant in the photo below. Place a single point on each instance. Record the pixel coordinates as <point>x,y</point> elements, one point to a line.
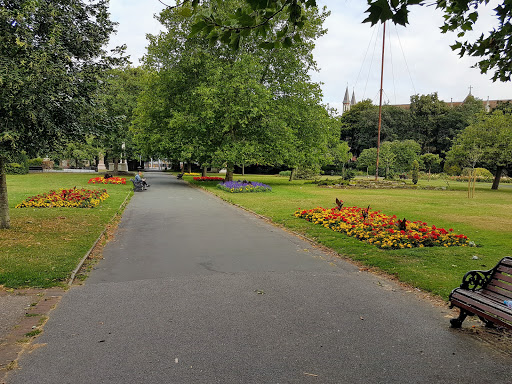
<point>243,186</point>
<point>191,174</point>
<point>110,180</point>
<point>383,231</point>
<point>208,178</point>
<point>66,198</point>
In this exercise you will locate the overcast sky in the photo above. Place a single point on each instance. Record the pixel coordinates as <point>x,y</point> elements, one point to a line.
<point>418,59</point>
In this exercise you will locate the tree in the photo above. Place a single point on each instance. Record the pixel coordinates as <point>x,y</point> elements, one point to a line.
<point>488,141</point>
<point>493,49</point>
<point>118,102</point>
<point>430,160</point>
<point>396,157</point>
<point>426,111</point>
<point>209,104</point>
<point>341,155</point>
<point>415,172</point>
<point>50,66</point>
<point>405,152</point>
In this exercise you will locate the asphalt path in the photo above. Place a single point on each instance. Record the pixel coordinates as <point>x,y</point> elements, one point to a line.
<point>194,290</point>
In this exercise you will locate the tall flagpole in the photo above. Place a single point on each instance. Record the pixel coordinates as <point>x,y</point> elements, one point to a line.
<point>380,102</point>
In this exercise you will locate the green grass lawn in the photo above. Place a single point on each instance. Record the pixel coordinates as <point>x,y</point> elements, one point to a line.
<point>486,219</point>
<point>44,245</point>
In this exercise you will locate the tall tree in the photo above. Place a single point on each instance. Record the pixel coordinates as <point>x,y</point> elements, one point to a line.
<point>210,104</point>
<point>426,111</point>
<point>488,142</point>
<point>118,101</point>
<point>51,61</point>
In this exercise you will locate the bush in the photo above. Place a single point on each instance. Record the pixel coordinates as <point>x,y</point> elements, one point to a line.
<point>35,162</point>
<point>452,170</point>
<point>349,174</point>
<point>479,172</point>
<point>307,173</point>
<point>16,169</point>
<point>285,173</point>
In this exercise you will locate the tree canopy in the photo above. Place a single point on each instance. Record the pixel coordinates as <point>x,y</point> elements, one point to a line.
<point>51,63</point>
<point>493,48</point>
<point>212,105</point>
<point>488,141</point>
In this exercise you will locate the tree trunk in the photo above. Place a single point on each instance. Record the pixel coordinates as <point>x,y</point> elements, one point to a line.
<point>189,167</point>
<point>204,171</point>
<point>292,174</point>
<point>243,169</point>
<point>229,171</point>
<point>5,221</point>
<point>497,177</point>
<point>116,167</point>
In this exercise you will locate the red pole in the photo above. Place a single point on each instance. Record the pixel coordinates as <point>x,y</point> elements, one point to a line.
<point>380,102</point>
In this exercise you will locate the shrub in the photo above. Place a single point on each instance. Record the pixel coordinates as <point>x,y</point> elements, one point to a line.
<point>349,174</point>
<point>479,172</point>
<point>35,162</point>
<point>16,169</point>
<point>452,170</point>
<point>307,173</point>
<point>285,173</point>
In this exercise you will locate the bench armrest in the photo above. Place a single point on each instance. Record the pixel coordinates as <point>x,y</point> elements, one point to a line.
<point>474,280</point>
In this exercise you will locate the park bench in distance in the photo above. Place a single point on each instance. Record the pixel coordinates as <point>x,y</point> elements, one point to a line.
<point>137,185</point>
<point>483,293</point>
<point>35,168</point>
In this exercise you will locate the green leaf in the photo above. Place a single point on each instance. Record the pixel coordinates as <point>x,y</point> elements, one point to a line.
<point>197,27</point>
<point>267,45</point>
<point>184,11</point>
<point>235,41</point>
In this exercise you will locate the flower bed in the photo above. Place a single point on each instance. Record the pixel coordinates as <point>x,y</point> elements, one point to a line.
<point>208,178</point>
<point>110,180</point>
<point>243,186</point>
<point>381,230</point>
<point>66,198</point>
<point>191,174</point>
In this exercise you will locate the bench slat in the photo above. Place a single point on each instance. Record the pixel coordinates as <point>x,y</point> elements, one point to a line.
<point>487,297</point>
<point>495,295</point>
<point>504,277</point>
<point>501,286</point>
<point>507,262</point>
<point>481,304</point>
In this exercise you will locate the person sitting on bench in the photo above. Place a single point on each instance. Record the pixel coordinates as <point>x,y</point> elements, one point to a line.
<point>139,178</point>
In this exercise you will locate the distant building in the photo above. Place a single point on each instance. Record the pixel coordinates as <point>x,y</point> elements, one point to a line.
<point>489,105</point>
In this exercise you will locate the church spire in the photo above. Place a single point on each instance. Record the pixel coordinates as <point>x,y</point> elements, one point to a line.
<point>346,101</point>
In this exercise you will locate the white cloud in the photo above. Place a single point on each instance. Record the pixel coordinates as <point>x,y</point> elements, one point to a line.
<point>429,66</point>
<point>135,20</point>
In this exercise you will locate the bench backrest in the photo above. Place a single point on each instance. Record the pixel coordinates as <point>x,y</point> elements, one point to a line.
<point>500,285</point>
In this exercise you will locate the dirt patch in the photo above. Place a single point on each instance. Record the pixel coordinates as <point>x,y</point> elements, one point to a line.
<point>499,339</point>
<point>31,308</point>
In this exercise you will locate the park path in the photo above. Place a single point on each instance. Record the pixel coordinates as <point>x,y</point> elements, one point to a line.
<point>194,290</point>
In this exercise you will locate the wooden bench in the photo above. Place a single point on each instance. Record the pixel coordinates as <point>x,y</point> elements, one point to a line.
<point>137,185</point>
<point>483,293</point>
